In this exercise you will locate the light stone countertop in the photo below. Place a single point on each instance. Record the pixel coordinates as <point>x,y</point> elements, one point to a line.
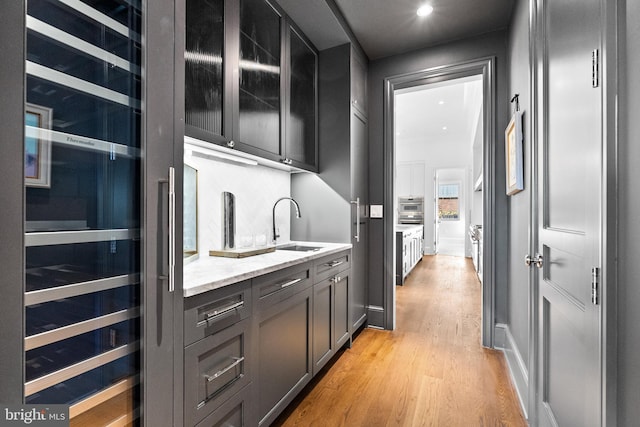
<point>209,272</point>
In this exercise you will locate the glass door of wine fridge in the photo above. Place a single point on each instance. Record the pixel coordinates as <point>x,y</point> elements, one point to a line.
<point>83,186</point>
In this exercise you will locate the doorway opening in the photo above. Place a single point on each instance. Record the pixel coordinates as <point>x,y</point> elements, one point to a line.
<point>439,128</point>
<point>451,212</point>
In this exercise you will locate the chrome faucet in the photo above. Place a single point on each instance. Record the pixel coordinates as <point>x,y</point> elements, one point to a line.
<point>275,234</point>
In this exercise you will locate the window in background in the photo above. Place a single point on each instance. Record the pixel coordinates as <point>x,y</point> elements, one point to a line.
<point>449,202</point>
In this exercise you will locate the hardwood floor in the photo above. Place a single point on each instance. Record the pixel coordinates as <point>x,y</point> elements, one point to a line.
<point>430,371</point>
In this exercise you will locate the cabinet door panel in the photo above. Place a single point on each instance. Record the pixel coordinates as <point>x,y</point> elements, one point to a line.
<point>260,76</point>
<point>204,72</point>
<point>342,318</point>
<point>360,188</point>
<point>301,137</point>
<point>284,353</point>
<point>322,324</point>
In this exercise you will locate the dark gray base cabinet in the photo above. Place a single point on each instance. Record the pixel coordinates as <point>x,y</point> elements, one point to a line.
<point>253,346</point>
<point>216,368</point>
<point>218,357</point>
<point>282,324</point>
<point>331,307</point>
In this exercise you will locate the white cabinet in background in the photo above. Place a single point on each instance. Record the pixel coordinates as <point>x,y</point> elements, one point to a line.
<point>410,179</point>
<point>409,249</point>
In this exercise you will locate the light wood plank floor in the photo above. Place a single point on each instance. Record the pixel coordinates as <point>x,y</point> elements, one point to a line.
<point>430,371</point>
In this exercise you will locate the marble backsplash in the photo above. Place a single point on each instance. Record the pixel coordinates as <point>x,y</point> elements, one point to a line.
<point>256,189</point>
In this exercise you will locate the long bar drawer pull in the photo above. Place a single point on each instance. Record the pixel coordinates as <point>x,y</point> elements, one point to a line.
<point>221,312</point>
<point>289,283</point>
<point>236,362</point>
<point>334,263</point>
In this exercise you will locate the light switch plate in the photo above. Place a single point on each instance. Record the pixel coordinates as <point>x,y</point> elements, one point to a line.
<point>376,211</point>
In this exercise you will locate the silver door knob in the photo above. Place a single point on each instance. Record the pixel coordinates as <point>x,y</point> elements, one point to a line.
<point>535,260</point>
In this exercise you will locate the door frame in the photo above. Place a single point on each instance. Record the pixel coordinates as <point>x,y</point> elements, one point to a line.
<point>487,68</point>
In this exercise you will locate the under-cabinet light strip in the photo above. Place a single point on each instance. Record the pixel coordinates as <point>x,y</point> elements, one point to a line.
<point>79,44</point>
<point>59,334</point>
<point>75,83</point>
<point>101,18</point>
<point>85,236</point>
<point>82,142</point>
<point>79,368</point>
<point>204,148</point>
<point>77,289</point>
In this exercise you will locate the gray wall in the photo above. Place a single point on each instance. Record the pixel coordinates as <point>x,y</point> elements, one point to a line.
<point>628,223</point>
<point>520,203</point>
<point>489,45</point>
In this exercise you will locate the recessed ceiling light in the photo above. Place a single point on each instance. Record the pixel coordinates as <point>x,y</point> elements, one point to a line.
<point>425,10</point>
<point>441,102</point>
<point>444,128</point>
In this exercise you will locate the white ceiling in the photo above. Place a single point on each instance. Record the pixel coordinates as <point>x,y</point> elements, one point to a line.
<point>443,113</point>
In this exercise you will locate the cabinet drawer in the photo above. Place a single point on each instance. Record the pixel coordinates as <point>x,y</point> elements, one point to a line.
<point>233,413</point>
<point>216,367</point>
<point>280,285</point>
<point>208,313</point>
<point>331,265</point>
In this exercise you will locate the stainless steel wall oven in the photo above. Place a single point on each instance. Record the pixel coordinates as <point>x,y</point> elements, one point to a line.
<point>410,210</point>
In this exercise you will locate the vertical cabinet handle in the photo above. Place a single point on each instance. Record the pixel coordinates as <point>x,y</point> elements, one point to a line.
<point>357,203</point>
<point>172,229</point>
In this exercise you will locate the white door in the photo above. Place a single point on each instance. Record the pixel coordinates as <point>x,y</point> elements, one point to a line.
<point>569,215</point>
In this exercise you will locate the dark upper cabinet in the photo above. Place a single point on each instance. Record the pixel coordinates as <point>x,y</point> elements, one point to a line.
<point>206,71</point>
<point>301,135</point>
<point>260,74</point>
<point>251,81</point>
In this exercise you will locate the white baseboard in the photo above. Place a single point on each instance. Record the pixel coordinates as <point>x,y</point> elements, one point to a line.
<point>503,340</point>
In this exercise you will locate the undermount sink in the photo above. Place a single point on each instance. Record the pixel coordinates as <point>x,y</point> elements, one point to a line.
<point>298,248</point>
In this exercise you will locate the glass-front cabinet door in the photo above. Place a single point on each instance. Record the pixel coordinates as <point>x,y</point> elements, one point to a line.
<point>83,207</point>
<point>206,115</point>
<point>301,137</point>
<point>260,76</point>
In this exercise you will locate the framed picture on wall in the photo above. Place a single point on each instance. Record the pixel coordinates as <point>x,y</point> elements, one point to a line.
<point>37,146</point>
<point>513,154</point>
